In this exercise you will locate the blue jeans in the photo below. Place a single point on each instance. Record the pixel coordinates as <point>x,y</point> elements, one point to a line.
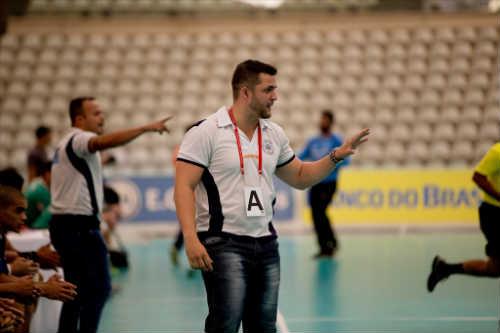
<point>244,285</point>
<point>84,258</point>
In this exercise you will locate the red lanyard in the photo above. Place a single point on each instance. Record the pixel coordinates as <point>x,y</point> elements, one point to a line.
<point>238,143</point>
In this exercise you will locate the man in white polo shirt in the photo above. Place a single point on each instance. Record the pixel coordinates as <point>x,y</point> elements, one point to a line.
<point>224,176</point>
<point>77,196</point>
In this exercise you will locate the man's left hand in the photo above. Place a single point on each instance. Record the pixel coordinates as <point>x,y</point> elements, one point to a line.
<point>350,145</point>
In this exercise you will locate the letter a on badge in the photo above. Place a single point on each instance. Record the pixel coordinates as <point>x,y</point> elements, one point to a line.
<point>253,201</point>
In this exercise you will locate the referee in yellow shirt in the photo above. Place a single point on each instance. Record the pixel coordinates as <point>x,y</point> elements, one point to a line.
<point>487,178</point>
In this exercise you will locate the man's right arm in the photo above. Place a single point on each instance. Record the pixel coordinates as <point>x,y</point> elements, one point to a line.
<point>187,177</point>
<point>484,184</point>
<point>488,165</point>
<point>118,138</point>
<point>21,286</point>
<point>6,278</point>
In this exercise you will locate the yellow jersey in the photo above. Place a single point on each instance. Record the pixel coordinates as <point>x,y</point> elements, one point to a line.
<point>489,166</point>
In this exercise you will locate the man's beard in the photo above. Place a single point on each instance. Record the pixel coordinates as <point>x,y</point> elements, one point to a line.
<point>265,113</point>
<point>261,110</point>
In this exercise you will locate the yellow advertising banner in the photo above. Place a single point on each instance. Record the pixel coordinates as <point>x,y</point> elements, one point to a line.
<point>404,196</point>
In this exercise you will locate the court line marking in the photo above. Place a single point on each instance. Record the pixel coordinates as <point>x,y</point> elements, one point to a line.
<point>337,319</point>
<point>280,321</point>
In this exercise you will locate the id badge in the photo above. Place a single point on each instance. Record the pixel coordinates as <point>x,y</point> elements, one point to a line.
<point>254,206</point>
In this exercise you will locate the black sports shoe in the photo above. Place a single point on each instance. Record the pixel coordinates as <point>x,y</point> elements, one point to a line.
<point>326,254</point>
<point>438,273</point>
<point>323,255</point>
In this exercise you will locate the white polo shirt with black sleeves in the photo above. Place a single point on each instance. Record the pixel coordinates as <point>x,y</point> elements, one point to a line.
<point>76,183</point>
<point>220,201</point>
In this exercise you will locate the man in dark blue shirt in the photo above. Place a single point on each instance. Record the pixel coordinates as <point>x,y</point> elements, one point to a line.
<point>321,194</point>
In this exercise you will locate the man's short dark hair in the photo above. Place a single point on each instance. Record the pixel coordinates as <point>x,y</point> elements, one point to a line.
<point>247,73</point>
<point>329,114</point>
<point>8,196</point>
<point>10,177</point>
<point>111,197</point>
<point>76,107</point>
<point>42,131</point>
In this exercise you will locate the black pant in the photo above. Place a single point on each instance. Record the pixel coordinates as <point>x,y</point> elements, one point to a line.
<point>490,226</point>
<point>320,197</point>
<point>84,259</point>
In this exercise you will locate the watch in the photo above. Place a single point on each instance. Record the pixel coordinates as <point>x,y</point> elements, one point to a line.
<point>333,158</point>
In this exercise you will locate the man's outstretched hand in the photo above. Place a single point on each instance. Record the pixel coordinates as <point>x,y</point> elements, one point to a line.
<point>159,126</point>
<point>349,146</point>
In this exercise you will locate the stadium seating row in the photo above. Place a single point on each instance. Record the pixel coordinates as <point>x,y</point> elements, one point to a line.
<point>432,92</point>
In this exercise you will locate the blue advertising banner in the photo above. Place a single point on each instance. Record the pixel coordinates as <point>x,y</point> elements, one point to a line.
<point>151,199</point>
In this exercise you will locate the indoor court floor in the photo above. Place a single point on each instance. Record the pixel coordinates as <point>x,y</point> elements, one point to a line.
<point>375,284</point>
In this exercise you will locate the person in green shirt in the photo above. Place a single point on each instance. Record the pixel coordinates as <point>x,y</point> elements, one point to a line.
<point>38,196</point>
<point>487,178</point>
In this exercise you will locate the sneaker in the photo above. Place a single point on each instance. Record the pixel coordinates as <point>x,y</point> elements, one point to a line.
<point>328,253</point>
<point>438,273</point>
<point>323,255</point>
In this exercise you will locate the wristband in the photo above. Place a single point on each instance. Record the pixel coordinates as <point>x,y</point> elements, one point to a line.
<point>333,158</point>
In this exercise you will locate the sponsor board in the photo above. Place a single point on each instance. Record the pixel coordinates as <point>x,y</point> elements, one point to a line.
<point>404,196</point>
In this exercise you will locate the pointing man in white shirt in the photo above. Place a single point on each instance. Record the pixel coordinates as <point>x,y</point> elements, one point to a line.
<point>77,200</point>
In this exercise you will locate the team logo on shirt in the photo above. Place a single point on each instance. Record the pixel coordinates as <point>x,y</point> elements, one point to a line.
<point>268,147</point>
